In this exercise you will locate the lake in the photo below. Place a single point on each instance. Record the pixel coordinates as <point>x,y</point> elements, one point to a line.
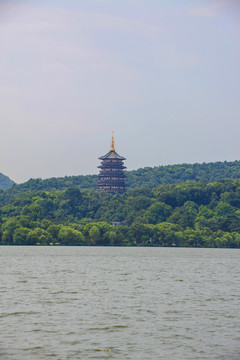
<point>119,303</point>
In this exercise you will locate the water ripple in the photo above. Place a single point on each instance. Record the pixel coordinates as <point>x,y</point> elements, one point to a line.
<point>119,303</point>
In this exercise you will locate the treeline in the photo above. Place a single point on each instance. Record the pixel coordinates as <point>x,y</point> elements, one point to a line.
<point>146,177</point>
<point>177,174</point>
<point>201,214</point>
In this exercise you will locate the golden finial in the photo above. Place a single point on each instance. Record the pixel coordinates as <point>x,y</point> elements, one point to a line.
<point>112,145</point>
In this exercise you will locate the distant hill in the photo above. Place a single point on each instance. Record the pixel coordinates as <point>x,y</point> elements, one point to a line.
<point>176,174</point>
<point>5,182</point>
<point>194,205</point>
<point>146,177</point>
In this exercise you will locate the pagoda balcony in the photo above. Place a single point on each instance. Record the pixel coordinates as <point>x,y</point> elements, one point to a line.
<point>111,186</point>
<point>111,183</point>
<point>104,178</point>
<point>111,166</point>
<point>111,174</point>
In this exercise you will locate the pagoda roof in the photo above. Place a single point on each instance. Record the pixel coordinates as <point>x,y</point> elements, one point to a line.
<point>112,155</point>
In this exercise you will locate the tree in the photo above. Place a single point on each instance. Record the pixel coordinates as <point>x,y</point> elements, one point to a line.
<point>20,236</point>
<point>141,233</point>
<point>185,215</point>
<point>94,234</point>
<point>8,228</point>
<point>33,211</point>
<point>166,234</point>
<point>140,202</point>
<point>110,237</point>
<point>53,229</point>
<point>69,236</point>
<point>38,237</point>
<point>158,213</point>
<point>224,209</point>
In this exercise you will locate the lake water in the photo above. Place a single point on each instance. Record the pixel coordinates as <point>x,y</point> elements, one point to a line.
<point>119,303</point>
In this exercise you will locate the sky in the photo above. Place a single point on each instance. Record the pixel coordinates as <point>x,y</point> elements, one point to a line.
<point>163,75</point>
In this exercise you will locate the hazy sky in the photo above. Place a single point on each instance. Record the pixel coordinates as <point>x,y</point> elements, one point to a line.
<point>164,75</point>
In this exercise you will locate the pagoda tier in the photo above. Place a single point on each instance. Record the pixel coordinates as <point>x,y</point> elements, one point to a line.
<point>111,176</point>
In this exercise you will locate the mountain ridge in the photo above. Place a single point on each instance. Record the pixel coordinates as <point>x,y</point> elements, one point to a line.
<point>148,177</point>
<point>5,182</point>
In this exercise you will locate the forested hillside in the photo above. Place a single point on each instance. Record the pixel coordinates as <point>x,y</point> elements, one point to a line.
<point>203,214</point>
<point>146,177</point>
<point>177,174</point>
<point>5,182</point>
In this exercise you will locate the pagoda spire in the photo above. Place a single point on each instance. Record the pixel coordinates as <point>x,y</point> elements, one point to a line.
<point>112,144</point>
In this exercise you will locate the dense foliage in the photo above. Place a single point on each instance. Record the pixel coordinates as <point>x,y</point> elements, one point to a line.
<point>146,177</point>
<point>177,174</point>
<point>5,182</point>
<point>204,214</point>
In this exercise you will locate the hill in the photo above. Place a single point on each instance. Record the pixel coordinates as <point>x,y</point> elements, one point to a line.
<point>5,182</point>
<point>177,174</point>
<point>146,177</point>
<point>201,214</point>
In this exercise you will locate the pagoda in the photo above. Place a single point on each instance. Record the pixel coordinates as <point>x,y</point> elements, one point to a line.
<point>111,176</point>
